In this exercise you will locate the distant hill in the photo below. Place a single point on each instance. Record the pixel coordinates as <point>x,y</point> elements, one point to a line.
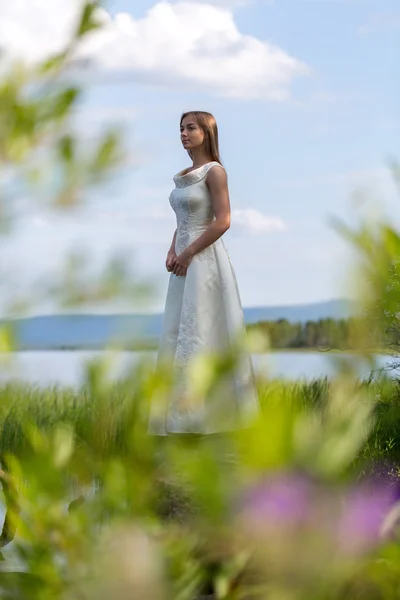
<point>334,309</point>
<point>95,331</point>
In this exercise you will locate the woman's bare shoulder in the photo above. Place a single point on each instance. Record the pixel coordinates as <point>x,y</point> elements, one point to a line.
<point>216,174</point>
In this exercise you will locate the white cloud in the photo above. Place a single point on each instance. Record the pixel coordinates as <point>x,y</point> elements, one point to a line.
<point>255,223</point>
<point>35,29</point>
<point>223,3</point>
<point>230,3</point>
<point>176,44</point>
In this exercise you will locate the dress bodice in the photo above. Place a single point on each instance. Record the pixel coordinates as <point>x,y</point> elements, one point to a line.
<point>191,202</point>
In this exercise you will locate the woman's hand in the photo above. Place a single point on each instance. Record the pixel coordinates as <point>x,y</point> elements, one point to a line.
<point>182,263</point>
<point>170,261</point>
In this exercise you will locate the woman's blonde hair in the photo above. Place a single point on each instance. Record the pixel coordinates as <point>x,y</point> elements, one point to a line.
<point>207,123</point>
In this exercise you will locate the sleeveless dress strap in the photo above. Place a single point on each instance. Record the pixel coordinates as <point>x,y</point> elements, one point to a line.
<point>210,165</point>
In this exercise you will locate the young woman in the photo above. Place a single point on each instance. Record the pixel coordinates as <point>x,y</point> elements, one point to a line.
<point>203,311</point>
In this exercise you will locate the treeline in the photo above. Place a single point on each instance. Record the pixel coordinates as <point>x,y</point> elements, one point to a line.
<point>325,333</point>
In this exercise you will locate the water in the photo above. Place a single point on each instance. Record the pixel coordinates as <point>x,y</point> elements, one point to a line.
<point>68,367</point>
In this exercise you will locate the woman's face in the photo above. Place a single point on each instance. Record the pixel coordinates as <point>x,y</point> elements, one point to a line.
<point>191,134</point>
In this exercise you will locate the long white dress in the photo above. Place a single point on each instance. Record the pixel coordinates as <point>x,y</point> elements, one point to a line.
<point>203,314</point>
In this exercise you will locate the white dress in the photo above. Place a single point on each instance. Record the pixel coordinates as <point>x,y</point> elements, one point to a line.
<point>203,314</point>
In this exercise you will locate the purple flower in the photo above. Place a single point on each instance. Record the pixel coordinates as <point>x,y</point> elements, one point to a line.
<point>347,521</point>
<point>283,499</point>
<point>361,518</point>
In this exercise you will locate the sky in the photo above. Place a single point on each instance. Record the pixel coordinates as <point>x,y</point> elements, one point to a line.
<point>305,93</point>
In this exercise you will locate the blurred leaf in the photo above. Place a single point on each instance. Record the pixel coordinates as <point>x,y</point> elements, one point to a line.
<point>7,341</point>
<point>89,20</point>
<point>54,63</point>
<point>67,149</point>
<point>63,441</point>
<point>108,153</point>
<point>63,102</point>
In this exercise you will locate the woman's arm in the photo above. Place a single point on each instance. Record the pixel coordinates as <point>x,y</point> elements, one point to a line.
<point>171,255</point>
<point>172,247</point>
<point>217,184</point>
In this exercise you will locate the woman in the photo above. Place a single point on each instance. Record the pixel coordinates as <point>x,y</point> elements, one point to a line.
<point>203,311</point>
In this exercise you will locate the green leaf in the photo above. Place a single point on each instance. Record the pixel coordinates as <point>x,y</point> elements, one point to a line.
<point>89,19</point>
<point>66,149</point>
<point>63,102</point>
<point>107,154</point>
<point>6,339</point>
<point>54,63</point>
<point>63,445</point>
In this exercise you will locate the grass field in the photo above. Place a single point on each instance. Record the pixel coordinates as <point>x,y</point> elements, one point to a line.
<point>45,408</point>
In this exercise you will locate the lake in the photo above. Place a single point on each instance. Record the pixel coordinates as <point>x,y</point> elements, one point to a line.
<point>66,367</point>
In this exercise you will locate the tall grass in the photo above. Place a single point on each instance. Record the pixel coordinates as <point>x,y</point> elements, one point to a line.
<point>83,410</point>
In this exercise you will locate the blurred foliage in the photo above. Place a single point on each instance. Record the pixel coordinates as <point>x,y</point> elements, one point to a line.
<point>43,162</point>
<point>107,510</point>
<point>36,104</point>
<point>289,509</point>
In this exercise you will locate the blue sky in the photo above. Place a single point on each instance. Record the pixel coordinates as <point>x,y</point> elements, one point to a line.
<point>304,92</point>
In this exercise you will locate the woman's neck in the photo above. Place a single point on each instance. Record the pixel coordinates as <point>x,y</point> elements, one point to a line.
<point>200,159</point>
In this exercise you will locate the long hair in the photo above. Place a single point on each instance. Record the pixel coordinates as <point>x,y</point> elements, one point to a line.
<point>207,123</point>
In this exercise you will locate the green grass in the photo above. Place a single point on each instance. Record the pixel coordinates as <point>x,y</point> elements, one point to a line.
<point>111,414</point>
<point>45,408</point>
